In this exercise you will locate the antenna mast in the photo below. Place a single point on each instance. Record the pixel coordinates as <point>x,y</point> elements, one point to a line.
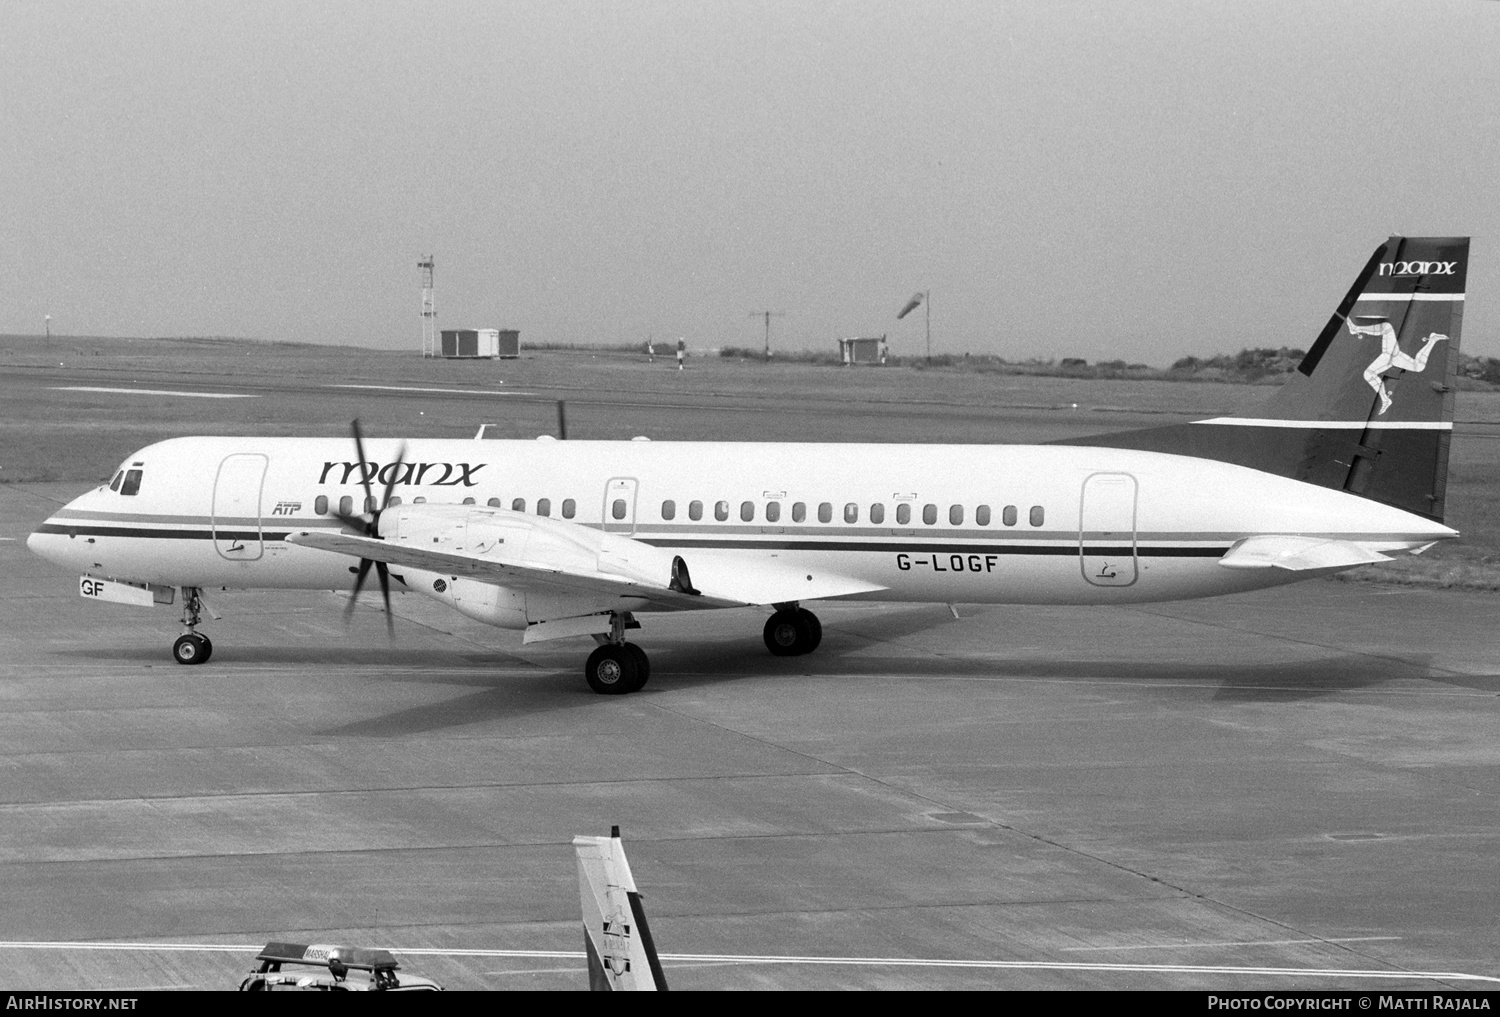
<point>768,315</point>
<point>429,311</point>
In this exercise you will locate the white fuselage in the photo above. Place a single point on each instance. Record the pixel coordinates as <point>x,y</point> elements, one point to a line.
<point>1047,524</point>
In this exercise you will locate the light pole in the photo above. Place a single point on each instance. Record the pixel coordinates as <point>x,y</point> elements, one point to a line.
<point>48,319</point>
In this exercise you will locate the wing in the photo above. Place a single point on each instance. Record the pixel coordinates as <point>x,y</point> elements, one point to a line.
<point>560,557</point>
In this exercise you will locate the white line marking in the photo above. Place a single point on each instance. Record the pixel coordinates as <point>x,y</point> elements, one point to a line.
<point>1407,298</point>
<point>445,391</point>
<point>1335,425</point>
<point>1200,946</point>
<point>154,391</point>
<point>887,962</point>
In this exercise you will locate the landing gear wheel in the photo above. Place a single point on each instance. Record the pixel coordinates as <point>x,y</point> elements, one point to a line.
<point>191,649</point>
<point>612,670</point>
<point>207,649</point>
<point>788,634</point>
<point>814,628</point>
<point>642,663</point>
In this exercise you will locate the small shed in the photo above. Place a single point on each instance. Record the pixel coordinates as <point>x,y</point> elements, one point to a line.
<point>486,343</point>
<point>863,350</point>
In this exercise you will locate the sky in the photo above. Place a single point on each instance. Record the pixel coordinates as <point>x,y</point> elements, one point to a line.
<point>1112,180</point>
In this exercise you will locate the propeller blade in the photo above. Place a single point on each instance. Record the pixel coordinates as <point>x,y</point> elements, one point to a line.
<point>353,522</point>
<point>384,575</point>
<point>364,476</point>
<point>359,582</point>
<point>389,487</point>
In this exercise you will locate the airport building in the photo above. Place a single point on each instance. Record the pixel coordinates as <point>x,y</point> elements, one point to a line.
<point>476,343</point>
<point>863,350</point>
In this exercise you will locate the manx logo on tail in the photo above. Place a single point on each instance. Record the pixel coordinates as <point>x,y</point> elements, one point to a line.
<point>1370,408</point>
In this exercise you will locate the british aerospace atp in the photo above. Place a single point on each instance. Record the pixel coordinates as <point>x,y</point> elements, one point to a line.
<point>1345,464</point>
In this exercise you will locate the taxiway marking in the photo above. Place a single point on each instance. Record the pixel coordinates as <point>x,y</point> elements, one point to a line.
<point>154,391</point>
<point>445,391</point>
<point>1252,942</point>
<point>772,959</point>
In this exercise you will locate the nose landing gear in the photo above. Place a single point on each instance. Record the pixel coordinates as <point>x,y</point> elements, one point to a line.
<point>191,647</point>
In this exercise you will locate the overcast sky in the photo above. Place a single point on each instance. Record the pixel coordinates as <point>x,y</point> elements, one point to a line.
<point>1107,179</point>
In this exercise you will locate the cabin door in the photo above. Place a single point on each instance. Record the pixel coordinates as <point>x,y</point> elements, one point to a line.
<point>619,505</point>
<point>236,508</point>
<point>1106,529</point>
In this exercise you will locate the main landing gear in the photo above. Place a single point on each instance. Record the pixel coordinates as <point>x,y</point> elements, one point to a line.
<point>617,667</point>
<point>793,631</point>
<point>191,647</point>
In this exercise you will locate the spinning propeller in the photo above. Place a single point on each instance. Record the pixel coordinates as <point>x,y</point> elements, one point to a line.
<point>368,524</point>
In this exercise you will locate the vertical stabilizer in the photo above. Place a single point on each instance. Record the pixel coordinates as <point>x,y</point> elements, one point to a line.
<point>616,936</point>
<point>1370,408</point>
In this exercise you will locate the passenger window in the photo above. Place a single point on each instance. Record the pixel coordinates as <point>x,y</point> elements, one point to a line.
<point>570,507</point>
<point>397,501</point>
<point>669,509</point>
<point>695,510</point>
<point>519,505</point>
<point>320,504</point>
<point>799,511</point>
<point>825,513</point>
<point>415,501</point>
<point>1038,515</point>
<point>982,515</point>
<point>618,508</point>
<point>747,510</point>
<point>544,506</point>
<point>929,514</point>
<point>493,503</point>
<point>346,506</point>
<point>903,513</point>
<point>370,503</point>
<point>1008,516</point>
<point>114,485</point>
<point>132,482</point>
<point>851,513</point>
<point>721,510</point>
<point>773,511</point>
<point>877,514</point>
<point>955,515</point>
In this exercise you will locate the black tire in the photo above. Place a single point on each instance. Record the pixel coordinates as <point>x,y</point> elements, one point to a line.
<point>612,671</point>
<point>814,629</point>
<point>188,650</point>
<point>787,634</point>
<point>208,649</point>
<point>643,666</point>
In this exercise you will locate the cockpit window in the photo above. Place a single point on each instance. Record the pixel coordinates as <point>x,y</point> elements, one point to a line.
<point>114,485</point>
<point>132,483</point>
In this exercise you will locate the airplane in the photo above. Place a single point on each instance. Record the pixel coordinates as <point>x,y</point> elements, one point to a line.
<point>1345,464</point>
<point>616,936</point>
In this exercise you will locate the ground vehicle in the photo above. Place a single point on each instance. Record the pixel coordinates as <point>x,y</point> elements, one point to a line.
<point>334,964</point>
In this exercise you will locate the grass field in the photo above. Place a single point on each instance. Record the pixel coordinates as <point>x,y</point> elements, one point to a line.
<point>55,433</point>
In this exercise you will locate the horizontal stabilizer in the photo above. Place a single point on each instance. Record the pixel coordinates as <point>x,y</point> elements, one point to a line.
<point>1297,554</point>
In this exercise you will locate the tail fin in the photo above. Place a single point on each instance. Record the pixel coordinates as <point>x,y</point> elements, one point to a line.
<point>622,955</point>
<point>1370,408</point>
